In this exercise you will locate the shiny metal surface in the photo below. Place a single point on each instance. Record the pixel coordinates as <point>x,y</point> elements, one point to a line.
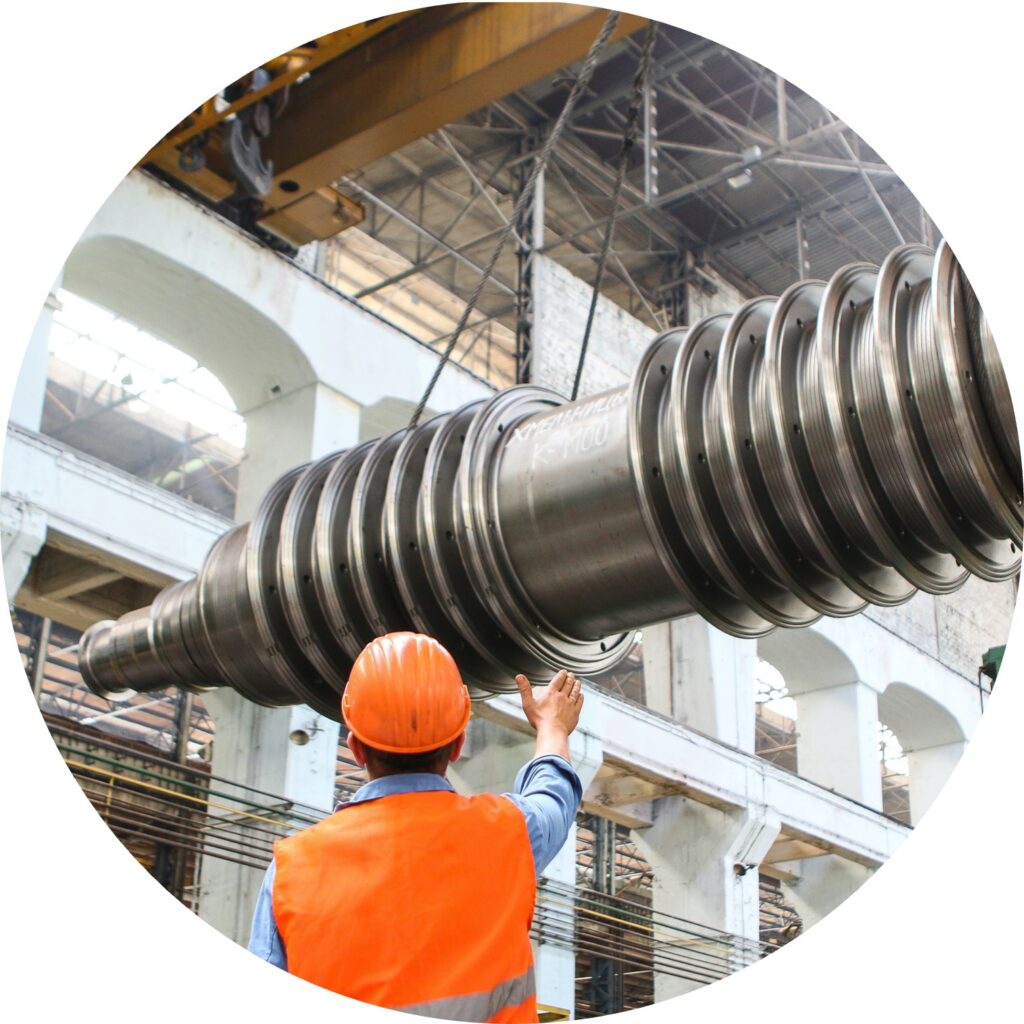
<point>846,443</point>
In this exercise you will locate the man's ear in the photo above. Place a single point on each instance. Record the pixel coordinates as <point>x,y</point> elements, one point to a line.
<point>456,748</point>
<point>355,744</point>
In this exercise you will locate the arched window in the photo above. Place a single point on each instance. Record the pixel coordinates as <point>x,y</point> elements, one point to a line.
<point>127,397</point>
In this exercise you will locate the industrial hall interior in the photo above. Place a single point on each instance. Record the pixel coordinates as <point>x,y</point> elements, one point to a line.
<point>575,341</point>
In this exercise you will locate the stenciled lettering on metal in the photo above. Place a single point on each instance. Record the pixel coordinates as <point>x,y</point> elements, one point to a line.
<point>842,445</point>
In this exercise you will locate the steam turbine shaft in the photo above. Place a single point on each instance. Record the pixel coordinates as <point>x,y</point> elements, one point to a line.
<point>842,445</point>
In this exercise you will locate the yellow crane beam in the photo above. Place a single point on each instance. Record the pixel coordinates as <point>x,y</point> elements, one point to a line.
<point>379,90</point>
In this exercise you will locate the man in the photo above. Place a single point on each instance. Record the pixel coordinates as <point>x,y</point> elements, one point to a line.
<point>410,896</point>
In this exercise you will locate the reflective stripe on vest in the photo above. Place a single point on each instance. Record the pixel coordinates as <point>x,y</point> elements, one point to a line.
<point>416,901</point>
<point>481,1006</point>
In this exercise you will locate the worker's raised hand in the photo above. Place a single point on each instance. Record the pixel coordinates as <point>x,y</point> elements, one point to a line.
<point>555,708</point>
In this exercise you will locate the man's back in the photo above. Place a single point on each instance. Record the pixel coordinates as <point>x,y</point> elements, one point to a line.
<point>420,901</point>
<point>411,896</point>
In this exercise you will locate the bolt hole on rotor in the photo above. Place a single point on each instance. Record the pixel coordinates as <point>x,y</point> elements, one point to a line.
<point>747,443</point>
<point>799,323</point>
<point>753,339</point>
<point>796,428</point>
<point>852,411</point>
<point>655,471</point>
<point>664,369</point>
<point>700,457</point>
<point>707,353</point>
<point>909,394</point>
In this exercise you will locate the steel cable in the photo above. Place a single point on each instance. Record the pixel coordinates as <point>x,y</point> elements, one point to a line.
<point>523,200</point>
<point>629,135</point>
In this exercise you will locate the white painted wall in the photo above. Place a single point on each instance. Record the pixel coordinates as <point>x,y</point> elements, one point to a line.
<point>561,302</point>
<point>261,325</point>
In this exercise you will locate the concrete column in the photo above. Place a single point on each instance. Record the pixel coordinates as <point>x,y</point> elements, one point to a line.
<point>30,391</point>
<point>253,746</point>
<point>561,302</point>
<point>822,884</point>
<point>837,740</point>
<point>489,764</point>
<point>22,534</point>
<point>928,771</point>
<point>705,864</point>
<point>703,678</point>
<point>23,529</point>
<point>256,746</point>
<point>290,429</point>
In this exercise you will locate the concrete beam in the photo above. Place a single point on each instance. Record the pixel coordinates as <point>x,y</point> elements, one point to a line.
<point>665,752</point>
<point>269,332</point>
<point>94,511</point>
<point>81,611</point>
<point>58,575</point>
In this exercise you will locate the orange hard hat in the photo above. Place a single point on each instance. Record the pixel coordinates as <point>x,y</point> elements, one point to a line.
<point>405,695</point>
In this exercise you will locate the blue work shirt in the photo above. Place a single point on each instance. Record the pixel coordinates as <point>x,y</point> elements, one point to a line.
<point>547,790</point>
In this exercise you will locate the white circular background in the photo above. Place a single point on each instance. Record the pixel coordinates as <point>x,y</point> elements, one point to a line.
<point>85,933</point>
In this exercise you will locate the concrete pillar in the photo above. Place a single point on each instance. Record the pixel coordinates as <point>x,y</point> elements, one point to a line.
<point>822,884</point>
<point>30,391</point>
<point>489,764</point>
<point>290,429</point>
<point>703,678</point>
<point>928,771</point>
<point>256,746</point>
<point>837,740</point>
<point>22,534</point>
<point>561,302</point>
<point>22,527</point>
<point>705,862</point>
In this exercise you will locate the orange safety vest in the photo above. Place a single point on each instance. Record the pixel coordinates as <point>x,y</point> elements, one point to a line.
<point>420,902</point>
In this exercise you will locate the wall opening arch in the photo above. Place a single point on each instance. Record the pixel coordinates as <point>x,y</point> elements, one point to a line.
<point>932,738</point>
<point>131,399</point>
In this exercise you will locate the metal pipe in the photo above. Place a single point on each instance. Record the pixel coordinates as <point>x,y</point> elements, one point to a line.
<point>845,444</point>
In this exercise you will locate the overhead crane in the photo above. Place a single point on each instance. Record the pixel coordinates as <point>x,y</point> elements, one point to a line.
<point>268,151</point>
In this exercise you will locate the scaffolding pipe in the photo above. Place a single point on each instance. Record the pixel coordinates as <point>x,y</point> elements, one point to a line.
<point>844,444</point>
